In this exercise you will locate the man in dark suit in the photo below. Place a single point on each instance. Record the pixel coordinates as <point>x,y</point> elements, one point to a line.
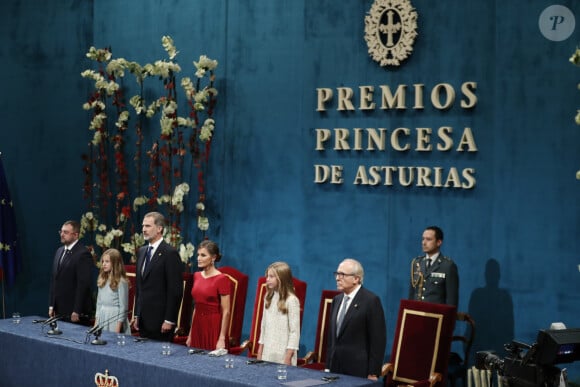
<point>357,335</point>
<point>159,288</point>
<point>72,278</point>
<point>434,277</point>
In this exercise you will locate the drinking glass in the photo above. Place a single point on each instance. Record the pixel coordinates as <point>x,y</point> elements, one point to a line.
<point>281,372</point>
<point>121,339</point>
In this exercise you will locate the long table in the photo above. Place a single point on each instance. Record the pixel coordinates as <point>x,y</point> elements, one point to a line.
<point>30,357</point>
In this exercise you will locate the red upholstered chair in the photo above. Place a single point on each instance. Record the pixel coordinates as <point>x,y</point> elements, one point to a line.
<point>239,282</point>
<point>251,345</point>
<point>316,358</point>
<point>422,344</point>
<point>131,276</point>
<point>185,311</point>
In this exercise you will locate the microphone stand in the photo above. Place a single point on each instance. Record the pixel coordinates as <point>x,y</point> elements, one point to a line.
<point>97,340</point>
<point>54,331</point>
<point>97,330</point>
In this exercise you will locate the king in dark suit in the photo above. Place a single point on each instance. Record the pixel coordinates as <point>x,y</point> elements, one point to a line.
<point>72,278</point>
<point>357,335</point>
<point>158,289</point>
<point>434,277</point>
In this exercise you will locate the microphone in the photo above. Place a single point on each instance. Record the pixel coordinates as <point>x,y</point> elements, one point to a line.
<point>44,322</point>
<point>97,330</point>
<point>52,319</point>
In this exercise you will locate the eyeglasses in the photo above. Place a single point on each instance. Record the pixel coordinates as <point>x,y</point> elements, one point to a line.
<point>65,232</point>
<point>341,275</point>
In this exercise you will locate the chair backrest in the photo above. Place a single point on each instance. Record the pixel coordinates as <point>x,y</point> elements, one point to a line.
<point>323,324</point>
<point>239,294</point>
<point>422,342</point>
<point>466,339</point>
<point>132,277</point>
<point>299,288</point>
<point>186,307</point>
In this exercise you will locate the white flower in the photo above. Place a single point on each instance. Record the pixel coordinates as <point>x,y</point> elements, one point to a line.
<point>200,73</point>
<point>99,55</point>
<point>97,138</point>
<point>162,69</point>
<point>207,129</point>
<point>188,87</point>
<point>200,206</point>
<point>116,67</point>
<point>153,108</point>
<point>186,252</point>
<point>97,121</point>
<point>122,120</point>
<point>170,108</point>
<point>139,201</point>
<point>204,64</point>
<point>91,74</point>
<point>166,124</point>
<point>137,102</point>
<point>188,122</point>
<point>128,248</point>
<point>88,223</point>
<point>167,43</point>
<point>202,223</point>
<point>136,240</point>
<point>163,199</point>
<point>96,104</point>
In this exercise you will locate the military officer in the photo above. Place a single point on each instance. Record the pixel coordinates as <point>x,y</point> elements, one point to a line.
<point>434,277</point>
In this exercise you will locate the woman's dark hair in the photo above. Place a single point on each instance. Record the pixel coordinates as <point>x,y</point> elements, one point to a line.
<point>212,248</point>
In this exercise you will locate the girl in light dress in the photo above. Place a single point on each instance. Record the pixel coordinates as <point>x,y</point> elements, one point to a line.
<point>280,330</point>
<point>113,295</point>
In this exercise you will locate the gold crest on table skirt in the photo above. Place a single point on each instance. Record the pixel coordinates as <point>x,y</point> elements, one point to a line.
<point>105,380</point>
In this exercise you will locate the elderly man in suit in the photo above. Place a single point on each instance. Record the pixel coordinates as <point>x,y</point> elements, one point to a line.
<point>72,278</point>
<point>158,286</point>
<point>357,335</point>
<point>434,277</point>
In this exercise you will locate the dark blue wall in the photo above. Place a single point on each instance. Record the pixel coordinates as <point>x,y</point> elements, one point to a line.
<point>521,220</point>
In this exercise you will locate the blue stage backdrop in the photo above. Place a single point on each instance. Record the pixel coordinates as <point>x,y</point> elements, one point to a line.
<point>321,154</point>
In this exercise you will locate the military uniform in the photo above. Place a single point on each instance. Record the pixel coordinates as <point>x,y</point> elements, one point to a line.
<point>438,284</point>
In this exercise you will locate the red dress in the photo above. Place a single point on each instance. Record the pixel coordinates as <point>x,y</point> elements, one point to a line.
<point>207,317</point>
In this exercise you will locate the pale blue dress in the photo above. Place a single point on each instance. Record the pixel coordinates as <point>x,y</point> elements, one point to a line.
<point>111,305</point>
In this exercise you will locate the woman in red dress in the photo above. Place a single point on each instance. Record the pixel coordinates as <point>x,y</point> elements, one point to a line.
<point>211,293</point>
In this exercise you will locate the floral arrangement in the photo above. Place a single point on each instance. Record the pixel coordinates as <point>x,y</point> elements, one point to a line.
<point>142,153</point>
<point>575,59</point>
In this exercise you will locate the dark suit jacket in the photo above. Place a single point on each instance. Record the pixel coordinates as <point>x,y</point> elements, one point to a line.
<point>72,283</point>
<point>359,348</point>
<point>441,282</point>
<point>158,290</point>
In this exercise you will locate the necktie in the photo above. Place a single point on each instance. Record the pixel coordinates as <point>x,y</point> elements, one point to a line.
<point>428,263</point>
<point>62,257</point>
<point>342,313</point>
<point>147,258</point>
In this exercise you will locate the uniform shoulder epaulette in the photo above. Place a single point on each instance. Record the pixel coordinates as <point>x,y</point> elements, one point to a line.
<point>444,257</point>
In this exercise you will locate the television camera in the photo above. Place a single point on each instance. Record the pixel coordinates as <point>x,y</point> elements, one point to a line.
<point>534,365</point>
